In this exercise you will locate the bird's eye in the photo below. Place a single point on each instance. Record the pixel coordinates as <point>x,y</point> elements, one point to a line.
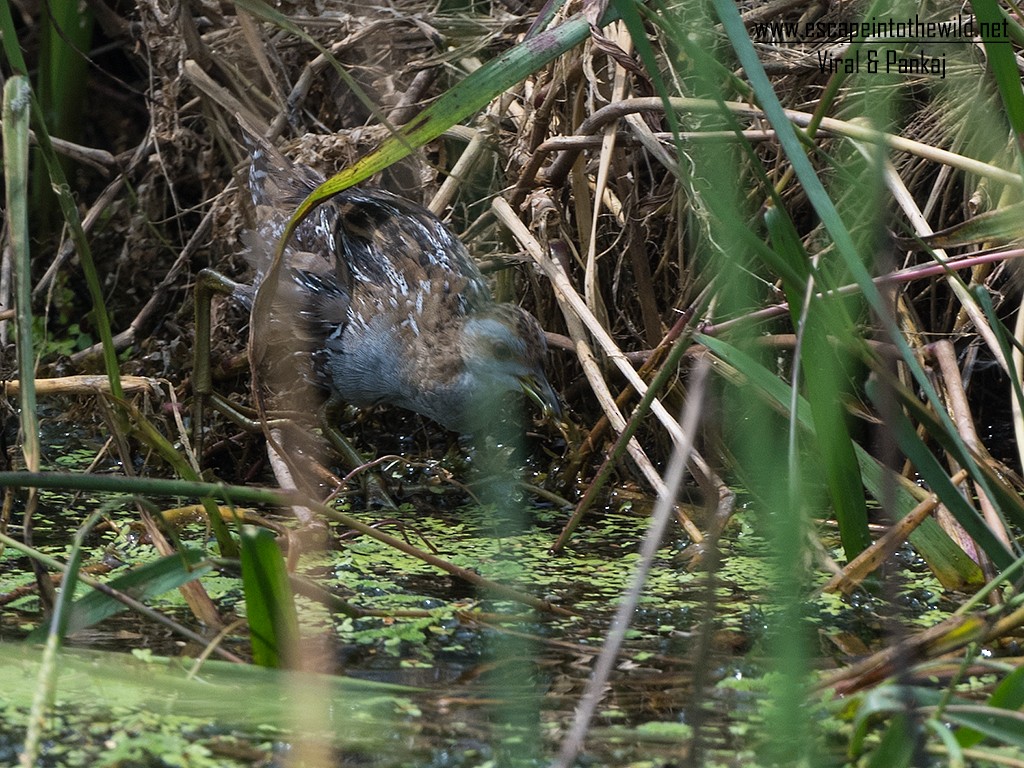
<point>502,351</point>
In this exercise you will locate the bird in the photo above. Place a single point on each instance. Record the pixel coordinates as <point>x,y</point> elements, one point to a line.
<point>387,305</point>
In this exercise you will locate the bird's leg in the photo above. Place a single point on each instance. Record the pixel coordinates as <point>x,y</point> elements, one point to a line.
<point>208,283</point>
<point>373,486</point>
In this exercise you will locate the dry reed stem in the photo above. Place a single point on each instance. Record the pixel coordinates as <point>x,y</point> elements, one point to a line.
<point>848,129</point>
<point>960,410</point>
<point>95,213</point>
<point>689,421</point>
<point>899,276</point>
<point>222,97</point>
<point>1016,407</point>
<point>184,435</point>
<point>906,202</point>
<point>286,480</point>
<point>253,37</point>
<point>657,144</point>
<point>130,335</point>
<point>83,385</point>
<point>885,545</point>
<point>193,592</point>
<point>562,285</point>
<point>591,287</point>
<point>100,159</point>
<point>948,636</point>
<point>577,314</point>
<point>307,79</point>
<point>444,196</point>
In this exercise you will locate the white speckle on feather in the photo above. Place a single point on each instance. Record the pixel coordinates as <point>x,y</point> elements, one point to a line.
<point>419,299</point>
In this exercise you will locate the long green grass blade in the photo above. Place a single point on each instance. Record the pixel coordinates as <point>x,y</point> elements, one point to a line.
<point>9,41</point>
<point>269,603</point>
<point>463,100</point>
<point>938,480</point>
<point>63,69</point>
<point>230,693</point>
<point>1001,725</point>
<point>840,234</point>
<point>17,106</point>
<point>950,563</point>
<point>69,209</point>
<point>142,583</point>
<point>816,193</point>
<point>898,746</point>
<point>63,609</point>
<point>825,373</point>
<point>16,113</point>
<point>1008,695</point>
<point>1003,62</point>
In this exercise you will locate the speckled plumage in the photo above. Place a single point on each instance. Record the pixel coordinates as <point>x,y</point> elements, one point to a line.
<point>389,303</point>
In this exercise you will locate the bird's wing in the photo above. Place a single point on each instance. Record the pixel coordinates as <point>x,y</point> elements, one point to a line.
<point>393,244</point>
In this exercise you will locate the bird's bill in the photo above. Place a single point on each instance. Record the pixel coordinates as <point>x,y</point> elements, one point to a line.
<point>538,390</point>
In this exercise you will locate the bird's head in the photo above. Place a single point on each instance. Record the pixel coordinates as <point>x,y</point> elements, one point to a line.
<point>504,351</point>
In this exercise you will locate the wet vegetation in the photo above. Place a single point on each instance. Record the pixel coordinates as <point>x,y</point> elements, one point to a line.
<point>772,246</point>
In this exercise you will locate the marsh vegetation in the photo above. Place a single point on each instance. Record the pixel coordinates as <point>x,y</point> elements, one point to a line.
<point>772,246</point>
